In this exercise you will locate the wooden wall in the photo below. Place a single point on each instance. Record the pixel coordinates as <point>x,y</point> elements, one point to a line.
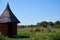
<point>14,28</point>
<point>7,29</point>
<point>3,28</point>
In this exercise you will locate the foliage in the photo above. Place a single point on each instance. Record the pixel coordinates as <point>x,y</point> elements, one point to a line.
<point>2,37</point>
<point>57,23</point>
<point>56,26</point>
<point>40,24</point>
<point>51,23</point>
<point>21,26</point>
<point>43,23</point>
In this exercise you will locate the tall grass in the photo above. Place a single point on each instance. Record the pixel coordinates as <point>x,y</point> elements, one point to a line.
<point>54,35</point>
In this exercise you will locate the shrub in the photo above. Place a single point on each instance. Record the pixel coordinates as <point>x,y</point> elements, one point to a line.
<point>56,26</point>
<point>2,37</point>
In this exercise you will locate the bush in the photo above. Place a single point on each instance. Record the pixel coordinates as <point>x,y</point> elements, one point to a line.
<point>2,37</point>
<point>56,26</point>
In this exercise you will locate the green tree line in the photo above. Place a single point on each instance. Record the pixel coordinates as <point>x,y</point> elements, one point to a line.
<point>55,24</point>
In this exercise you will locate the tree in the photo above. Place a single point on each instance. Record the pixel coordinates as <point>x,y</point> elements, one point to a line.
<point>57,23</point>
<point>38,24</point>
<point>51,23</point>
<point>43,23</point>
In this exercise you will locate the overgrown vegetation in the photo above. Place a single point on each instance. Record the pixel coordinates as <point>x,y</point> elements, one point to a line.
<point>2,37</point>
<point>53,35</point>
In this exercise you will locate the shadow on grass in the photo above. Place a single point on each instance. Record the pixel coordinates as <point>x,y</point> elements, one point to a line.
<point>18,36</point>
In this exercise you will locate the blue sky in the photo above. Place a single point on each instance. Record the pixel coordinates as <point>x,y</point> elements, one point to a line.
<point>33,11</point>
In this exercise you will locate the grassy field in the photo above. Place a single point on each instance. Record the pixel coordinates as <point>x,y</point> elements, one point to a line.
<point>36,35</point>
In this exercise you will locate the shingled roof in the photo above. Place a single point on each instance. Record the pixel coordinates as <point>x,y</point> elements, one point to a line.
<point>8,16</point>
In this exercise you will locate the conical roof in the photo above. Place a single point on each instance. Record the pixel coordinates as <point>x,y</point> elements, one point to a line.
<point>8,16</point>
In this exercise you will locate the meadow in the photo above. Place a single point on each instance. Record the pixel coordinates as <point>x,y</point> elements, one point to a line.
<point>42,35</point>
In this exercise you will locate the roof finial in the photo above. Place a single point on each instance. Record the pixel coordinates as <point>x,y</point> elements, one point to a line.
<point>7,7</point>
<point>7,4</point>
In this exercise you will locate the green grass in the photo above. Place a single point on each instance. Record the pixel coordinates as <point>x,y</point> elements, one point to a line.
<point>37,35</point>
